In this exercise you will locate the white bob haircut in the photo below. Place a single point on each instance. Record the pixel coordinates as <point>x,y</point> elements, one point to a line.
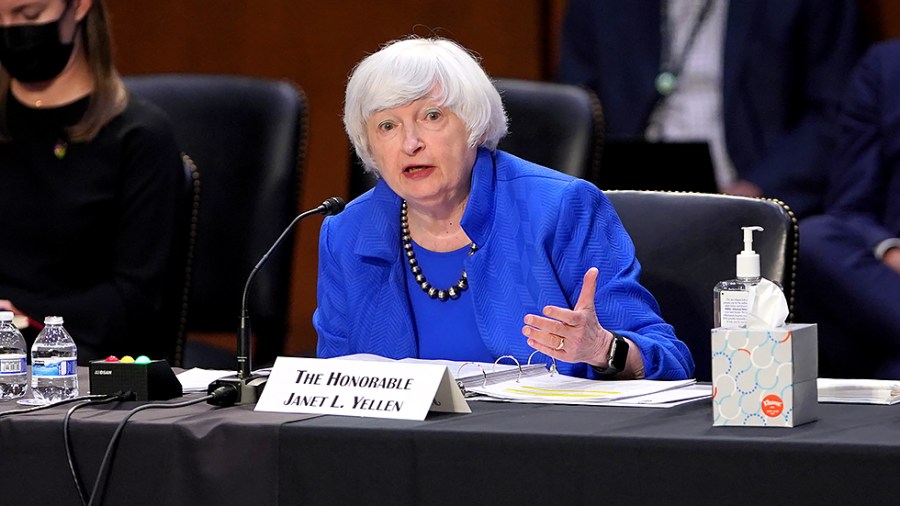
<point>409,69</point>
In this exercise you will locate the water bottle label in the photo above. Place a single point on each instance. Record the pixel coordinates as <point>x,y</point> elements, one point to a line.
<point>53,367</point>
<point>12,363</point>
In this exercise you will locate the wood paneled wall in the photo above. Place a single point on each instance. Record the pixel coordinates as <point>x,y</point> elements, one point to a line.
<point>881,18</point>
<point>316,43</point>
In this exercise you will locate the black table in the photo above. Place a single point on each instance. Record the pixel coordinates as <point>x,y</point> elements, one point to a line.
<point>501,453</point>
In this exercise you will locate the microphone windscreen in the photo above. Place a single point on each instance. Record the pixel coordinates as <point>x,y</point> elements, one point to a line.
<point>333,206</point>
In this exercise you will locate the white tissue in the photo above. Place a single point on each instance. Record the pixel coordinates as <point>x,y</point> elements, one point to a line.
<point>768,307</point>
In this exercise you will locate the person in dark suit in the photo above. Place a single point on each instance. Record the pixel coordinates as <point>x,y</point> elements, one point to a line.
<point>759,80</point>
<point>850,256</point>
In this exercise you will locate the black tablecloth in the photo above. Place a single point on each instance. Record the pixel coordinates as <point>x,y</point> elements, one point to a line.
<point>540,454</point>
<point>501,453</point>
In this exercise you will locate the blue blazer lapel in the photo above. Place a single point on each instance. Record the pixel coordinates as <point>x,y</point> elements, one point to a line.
<point>385,306</point>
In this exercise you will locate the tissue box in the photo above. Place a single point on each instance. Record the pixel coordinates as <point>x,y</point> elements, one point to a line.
<point>765,377</point>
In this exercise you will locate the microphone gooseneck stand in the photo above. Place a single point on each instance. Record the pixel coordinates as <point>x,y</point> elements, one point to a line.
<point>249,386</point>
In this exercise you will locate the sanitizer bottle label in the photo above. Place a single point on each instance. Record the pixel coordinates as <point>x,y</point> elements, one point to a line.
<point>734,308</point>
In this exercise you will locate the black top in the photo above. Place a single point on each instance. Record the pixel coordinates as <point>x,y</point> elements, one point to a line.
<point>89,226</point>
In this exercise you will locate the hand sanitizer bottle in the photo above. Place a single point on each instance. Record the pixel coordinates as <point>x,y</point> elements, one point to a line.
<point>731,298</point>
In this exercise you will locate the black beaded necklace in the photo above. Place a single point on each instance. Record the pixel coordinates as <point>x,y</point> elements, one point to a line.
<point>443,295</point>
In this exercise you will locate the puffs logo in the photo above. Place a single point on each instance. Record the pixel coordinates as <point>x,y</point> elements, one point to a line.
<point>772,405</point>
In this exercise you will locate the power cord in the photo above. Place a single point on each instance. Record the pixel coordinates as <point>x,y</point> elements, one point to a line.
<point>222,393</point>
<point>127,395</point>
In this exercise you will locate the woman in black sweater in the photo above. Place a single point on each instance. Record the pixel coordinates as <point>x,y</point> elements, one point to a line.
<point>90,180</point>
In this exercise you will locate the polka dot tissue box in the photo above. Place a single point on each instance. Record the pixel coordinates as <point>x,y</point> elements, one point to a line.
<point>765,377</point>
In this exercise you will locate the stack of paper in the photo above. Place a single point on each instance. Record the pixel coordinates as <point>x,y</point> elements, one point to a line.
<point>198,380</point>
<point>534,383</point>
<point>559,389</point>
<point>859,391</point>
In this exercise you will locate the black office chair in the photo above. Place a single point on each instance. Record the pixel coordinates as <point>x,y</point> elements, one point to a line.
<point>559,126</point>
<point>555,125</point>
<point>248,138</point>
<point>687,242</point>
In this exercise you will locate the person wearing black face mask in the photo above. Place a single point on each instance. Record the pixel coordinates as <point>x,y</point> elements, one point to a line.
<point>91,178</point>
<point>33,53</point>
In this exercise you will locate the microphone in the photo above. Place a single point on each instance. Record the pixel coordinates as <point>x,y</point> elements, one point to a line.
<point>248,386</point>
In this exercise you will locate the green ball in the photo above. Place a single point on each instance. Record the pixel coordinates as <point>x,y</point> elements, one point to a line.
<point>666,83</point>
<point>143,359</point>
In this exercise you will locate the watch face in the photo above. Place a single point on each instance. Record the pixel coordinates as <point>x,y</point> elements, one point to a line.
<point>618,353</point>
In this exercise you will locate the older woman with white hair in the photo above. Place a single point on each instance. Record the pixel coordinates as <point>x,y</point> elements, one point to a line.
<point>464,252</point>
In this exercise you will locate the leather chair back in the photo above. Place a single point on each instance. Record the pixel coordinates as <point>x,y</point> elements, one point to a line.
<point>178,277</point>
<point>248,139</point>
<point>687,243</point>
<point>555,125</point>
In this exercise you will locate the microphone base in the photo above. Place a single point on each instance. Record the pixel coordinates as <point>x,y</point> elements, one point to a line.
<point>248,388</point>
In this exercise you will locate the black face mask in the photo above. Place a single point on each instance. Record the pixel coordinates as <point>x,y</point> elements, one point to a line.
<point>34,53</point>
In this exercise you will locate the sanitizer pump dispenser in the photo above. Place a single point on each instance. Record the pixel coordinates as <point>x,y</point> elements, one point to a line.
<point>731,298</point>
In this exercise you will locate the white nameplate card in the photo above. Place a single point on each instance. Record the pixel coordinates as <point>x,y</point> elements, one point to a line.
<point>398,390</point>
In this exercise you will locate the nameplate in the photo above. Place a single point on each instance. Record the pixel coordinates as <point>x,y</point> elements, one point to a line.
<point>360,388</point>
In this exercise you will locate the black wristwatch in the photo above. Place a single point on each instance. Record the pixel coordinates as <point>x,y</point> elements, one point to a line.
<point>618,354</point>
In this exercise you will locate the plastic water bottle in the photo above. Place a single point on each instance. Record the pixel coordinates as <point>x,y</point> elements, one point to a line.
<point>53,363</point>
<point>13,371</point>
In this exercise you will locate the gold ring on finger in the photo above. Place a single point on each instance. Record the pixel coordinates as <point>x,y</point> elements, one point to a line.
<point>562,343</point>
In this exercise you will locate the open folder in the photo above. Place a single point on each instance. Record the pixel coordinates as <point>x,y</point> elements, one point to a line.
<point>491,374</point>
<point>536,383</point>
<point>469,375</point>
<point>554,388</point>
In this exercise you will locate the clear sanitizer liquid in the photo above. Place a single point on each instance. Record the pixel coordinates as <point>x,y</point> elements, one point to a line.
<point>732,302</point>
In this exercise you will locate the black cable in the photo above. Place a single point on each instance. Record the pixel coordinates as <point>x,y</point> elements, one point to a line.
<point>70,457</point>
<point>100,483</point>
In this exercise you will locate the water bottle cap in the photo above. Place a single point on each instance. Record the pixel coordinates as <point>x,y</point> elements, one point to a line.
<point>53,320</point>
<point>6,316</point>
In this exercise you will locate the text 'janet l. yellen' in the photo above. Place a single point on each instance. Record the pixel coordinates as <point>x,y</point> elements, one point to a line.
<point>338,379</point>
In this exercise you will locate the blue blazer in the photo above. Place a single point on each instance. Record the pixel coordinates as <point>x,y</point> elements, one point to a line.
<point>784,70</point>
<point>538,232</point>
